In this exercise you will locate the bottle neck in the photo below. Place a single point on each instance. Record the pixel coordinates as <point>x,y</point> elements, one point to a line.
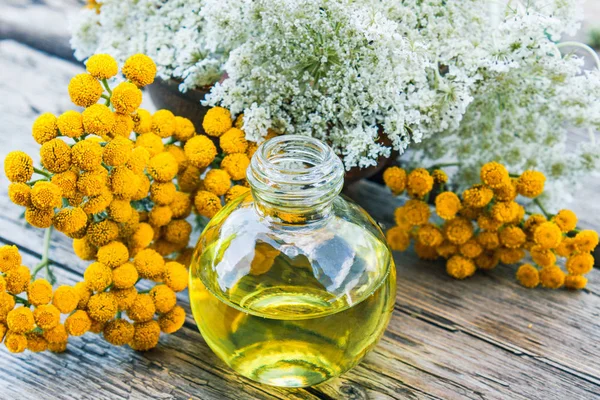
<point>294,179</point>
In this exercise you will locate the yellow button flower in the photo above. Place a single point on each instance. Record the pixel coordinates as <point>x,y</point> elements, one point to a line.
<point>78,323</point>
<point>552,277</point>
<point>471,248</point>
<point>84,249</point>
<point>18,166</point>
<point>58,334</point>
<point>20,320</point>
<point>70,124</point>
<point>528,276</point>
<point>124,297</point>
<point>69,220</point>
<point>531,184</point>
<point>200,151</point>
<point>419,182</point>
<point>252,147</point>
<point>512,237</point>
<point>122,127</point>
<point>510,256</point>
<point>17,279</point>
<point>139,158</point>
<point>9,258</point>
<point>46,195</point>
<point>145,336</point>
<point>505,211</point>
<point>117,151</point>
<point>439,176</point>
<point>46,316</point>
<point>430,235</point>
<point>575,282</point>
<point>102,307</point>
<point>494,175</point>
<point>7,303</point>
<point>84,90</point>
<point>36,342</point>
<point>59,347</point>
<point>235,191</point>
<point>113,254</point>
<point>39,217</point>
<point>487,260</point>
<point>15,342</point>
<point>189,180</point>
<point>217,181</point>
<point>39,292</point>
<point>507,192</point>
<point>20,194</point>
<point>172,321</point>
<point>139,69</point>
<point>44,128</point>
<point>162,193</point>
<point>124,276</point>
<point>184,129</point>
<point>416,212</point>
<point>123,182</point>
<point>217,121</point>
<point>488,239</point>
<point>547,235</point>
<point>426,252</point>
<point>149,264</point>
<point>65,299</point>
<point>175,276</point>
<point>447,205</point>
<point>160,216</point>
<point>478,196</point>
<point>177,231</point>
<point>103,232</point>
<point>118,332</point>
<point>67,182</point>
<point>236,165</point>
<point>233,141</point>
<point>97,204</point>
<point>458,230</point>
<point>93,183</point>
<point>163,123</point>
<point>164,298</point>
<point>97,276</point>
<point>460,267</point>
<point>142,121</point>
<point>102,66</point>
<point>397,238</point>
<point>142,309</point>
<point>163,167</point>
<point>143,235</point>
<point>395,179</point>
<point>84,293</point>
<point>580,264</point>
<point>532,223</point>
<point>143,187</point>
<point>542,257</point>
<point>179,155</point>
<point>566,247</point>
<point>98,120</point>
<point>566,220</point>
<point>586,240</point>
<point>87,155</point>
<point>207,203</point>
<point>126,98</point>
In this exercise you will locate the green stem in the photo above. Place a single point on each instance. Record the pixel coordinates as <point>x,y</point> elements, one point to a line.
<point>105,83</point>
<point>42,172</point>
<point>514,175</point>
<point>45,261</point>
<point>37,180</point>
<point>442,165</point>
<point>23,301</point>
<point>538,203</point>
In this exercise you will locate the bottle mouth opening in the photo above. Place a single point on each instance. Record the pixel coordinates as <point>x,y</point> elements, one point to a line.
<point>293,171</point>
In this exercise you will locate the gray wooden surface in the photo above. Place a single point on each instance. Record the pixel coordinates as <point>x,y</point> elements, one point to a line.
<point>484,338</point>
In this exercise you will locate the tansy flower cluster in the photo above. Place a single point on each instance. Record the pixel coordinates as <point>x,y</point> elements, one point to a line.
<point>486,226</point>
<point>121,182</point>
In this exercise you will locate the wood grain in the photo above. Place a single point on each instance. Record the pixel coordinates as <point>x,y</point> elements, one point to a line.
<point>484,338</point>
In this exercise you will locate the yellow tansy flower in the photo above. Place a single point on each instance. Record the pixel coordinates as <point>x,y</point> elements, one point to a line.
<point>510,256</point>
<point>528,276</point>
<point>184,129</point>
<point>542,257</point>
<point>124,276</point>
<point>416,212</point>
<point>15,342</point>
<point>398,238</point>
<point>70,123</point>
<point>488,239</point>
<point>160,216</point>
<point>163,167</point>
<point>138,159</point>
<point>163,123</point>
<point>507,192</point>
<point>97,204</point>
<point>494,175</point>
<point>478,196</point>
<point>126,98</point>
<point>118,332</point>
<point>142,236</point>
<point>447,249</point>
<point>439,176</point>
<point>65,299</point>
<point>44,128</point>
<point>235,192</point>
<point>122,127</point>
<point>175,276</point>
<point>87,155</point>
<point>46,316</point>
<point>18,166</point>
<point>179,155</point>
<point>172,321</point>
<point>36,342</point>
<point>430,235</point>
<point>102,307</point>
<point>67,182</point>
<point>139,69</point>
<point>39,217</point>
<point>471,248</point>
<point>142,121</point>
<point>78,323</point>
<point>177,231</point>
<point>20,194</point>
<point>566,220</point>
<point>84,293</point>
<point>566,247</point>
<point>103,232</point>
<point>117,151</point>
<point>84,90</point>
<point>447,205</point>
<point>207,203</point>
<point>575,282</point>
<point>124,297</point>
<point>460,267</point>
<point>395,178</point>
<point>233,141</point>
<point>580,264</point>
<point>164,298</point>
<point>149,264</point>
<point>189,180</point>
<point>458,230</point>
<point>425,252</point>
<point>586,240</point>
<point>123,182</point>
<point>162,193</point>
<point>531,184</point>
<point>9,258</point>
<point>145,336</point>
<point>142,309</point>
<point>547,235</point>
<point>487,260</point>
<point>97,276</point>
<point>69,220</point>
<point>46,195</point>
<point>217,181</point>
<point>102,66</point>
<point>552,277</point>
<point>512,237</point>
<point>236,165</point>
<point>217,121</point>
<point>200,150</point>
<point>113,254</point>
<point>20,320</point>
<point>505,211</point>
<point>419,182</point>
<point>98,120</point>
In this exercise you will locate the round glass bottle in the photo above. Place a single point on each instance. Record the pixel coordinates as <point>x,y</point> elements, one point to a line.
<point>292,284</point>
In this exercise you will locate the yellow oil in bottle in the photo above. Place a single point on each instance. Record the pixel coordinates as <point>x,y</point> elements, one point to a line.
<point>279,325</point>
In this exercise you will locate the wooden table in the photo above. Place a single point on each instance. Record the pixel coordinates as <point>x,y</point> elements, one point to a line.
<point>483,338</point>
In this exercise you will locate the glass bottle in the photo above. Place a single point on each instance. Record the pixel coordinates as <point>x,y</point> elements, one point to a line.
<point>292,284</point>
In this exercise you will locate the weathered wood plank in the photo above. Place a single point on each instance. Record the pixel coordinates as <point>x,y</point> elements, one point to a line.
<point>447,339</point>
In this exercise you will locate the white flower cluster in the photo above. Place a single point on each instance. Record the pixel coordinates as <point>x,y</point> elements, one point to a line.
<point>464,81</point>
<point>341,71</point>
<point>169,31</point>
